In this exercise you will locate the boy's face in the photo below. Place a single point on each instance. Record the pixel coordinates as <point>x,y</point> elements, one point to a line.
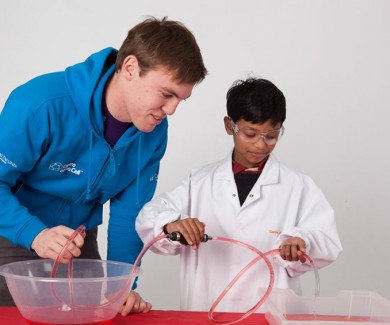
<point>247,153</point>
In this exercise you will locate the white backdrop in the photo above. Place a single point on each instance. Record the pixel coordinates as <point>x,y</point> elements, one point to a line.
<point>331,60</point>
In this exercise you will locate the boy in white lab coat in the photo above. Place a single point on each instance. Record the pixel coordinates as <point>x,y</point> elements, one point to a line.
<point>248,196</point>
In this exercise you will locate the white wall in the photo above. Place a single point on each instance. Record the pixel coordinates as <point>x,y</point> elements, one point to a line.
<point>331,60</point>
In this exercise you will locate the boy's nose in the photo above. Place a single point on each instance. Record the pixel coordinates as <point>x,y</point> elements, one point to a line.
<point>260,143</point>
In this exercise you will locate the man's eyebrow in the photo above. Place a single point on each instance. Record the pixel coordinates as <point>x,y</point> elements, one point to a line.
<point>172,92</point>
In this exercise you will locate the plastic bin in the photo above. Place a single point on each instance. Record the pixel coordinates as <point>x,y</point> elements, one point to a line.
<point>285,307</point>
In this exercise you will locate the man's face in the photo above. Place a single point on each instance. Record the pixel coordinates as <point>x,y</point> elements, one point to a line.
<point>246,153</point>
<point>149,98</point>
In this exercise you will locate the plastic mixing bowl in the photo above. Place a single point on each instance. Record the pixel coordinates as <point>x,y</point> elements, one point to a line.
<point>92,292</point>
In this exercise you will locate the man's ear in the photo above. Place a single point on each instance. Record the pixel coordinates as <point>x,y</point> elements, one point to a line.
<point>228,125</point>
<point>130,67</point>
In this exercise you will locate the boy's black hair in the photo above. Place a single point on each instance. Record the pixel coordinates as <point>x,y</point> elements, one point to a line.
<point>256,101</point>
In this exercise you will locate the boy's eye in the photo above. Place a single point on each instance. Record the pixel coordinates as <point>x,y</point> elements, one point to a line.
<point>250,134</point>
<point>272,135</point>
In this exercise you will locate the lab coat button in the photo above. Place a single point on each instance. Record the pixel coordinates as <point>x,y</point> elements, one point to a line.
<point>234,195</point>
<point>250,195</point>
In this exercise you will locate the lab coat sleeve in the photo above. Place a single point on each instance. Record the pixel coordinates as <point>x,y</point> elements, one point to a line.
<point>316,225</point>
<point>165,208</point>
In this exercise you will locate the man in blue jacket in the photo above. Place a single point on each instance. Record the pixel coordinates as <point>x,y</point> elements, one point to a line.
<point>72,140</point>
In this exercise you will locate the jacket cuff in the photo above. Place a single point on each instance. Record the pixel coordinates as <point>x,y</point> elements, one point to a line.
<point>27,235</point>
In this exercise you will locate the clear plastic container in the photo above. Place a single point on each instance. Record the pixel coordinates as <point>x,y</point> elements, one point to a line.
<point>284,307</point>
<point>92,294</point>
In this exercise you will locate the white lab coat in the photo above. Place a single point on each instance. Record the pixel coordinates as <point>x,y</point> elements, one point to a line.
<point>282,203</point>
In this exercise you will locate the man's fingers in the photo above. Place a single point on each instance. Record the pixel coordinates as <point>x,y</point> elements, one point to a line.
<point>134,304</point>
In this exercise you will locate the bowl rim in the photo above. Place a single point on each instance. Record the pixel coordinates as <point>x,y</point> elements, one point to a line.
<point>6,274</point>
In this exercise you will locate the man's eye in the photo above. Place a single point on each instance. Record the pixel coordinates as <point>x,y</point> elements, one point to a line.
<point>166,95</point>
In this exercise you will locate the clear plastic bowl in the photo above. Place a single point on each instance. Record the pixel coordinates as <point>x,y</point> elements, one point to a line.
<point>92,293</point>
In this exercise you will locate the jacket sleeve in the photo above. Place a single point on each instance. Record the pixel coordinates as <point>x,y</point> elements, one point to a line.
<point>124,243</point>
<point>22,141</point>
<point>165,208</point>
<point>316,225</point>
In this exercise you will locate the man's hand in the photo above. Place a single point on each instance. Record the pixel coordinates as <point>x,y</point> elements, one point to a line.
<point>293,249</point>
<point>50,241</point>
<point>191,228</point>
<point>134,304</point>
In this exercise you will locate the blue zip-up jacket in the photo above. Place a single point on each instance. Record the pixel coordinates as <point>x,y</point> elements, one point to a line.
<point>56,168</point>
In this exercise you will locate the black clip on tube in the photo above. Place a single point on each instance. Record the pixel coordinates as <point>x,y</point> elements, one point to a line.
<point>177,236</point>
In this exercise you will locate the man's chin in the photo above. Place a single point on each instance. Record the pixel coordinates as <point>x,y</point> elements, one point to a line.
<point>147,129</point>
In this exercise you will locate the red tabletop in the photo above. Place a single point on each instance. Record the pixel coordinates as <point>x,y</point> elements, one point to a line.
<point>11,315</point>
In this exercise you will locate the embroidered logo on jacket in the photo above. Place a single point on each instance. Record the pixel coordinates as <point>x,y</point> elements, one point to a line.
<point>71,167</point>
<point>154,177</point>
<point>7,161</point>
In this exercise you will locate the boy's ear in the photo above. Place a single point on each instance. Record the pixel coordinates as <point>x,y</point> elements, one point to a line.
<point>228,125</point>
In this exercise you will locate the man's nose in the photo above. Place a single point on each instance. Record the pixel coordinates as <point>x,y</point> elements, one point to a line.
<point>170,107</point>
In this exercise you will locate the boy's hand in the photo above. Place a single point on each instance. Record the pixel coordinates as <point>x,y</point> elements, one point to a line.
<point>191,228</point>
<point>293,249</point>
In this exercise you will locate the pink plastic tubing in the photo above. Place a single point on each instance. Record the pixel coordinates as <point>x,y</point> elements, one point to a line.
<point>261,256</point>
<point>80,230</point>
<point>144,250</point>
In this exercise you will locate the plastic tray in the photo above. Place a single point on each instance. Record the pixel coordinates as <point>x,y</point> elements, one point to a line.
<point>284,307</point>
